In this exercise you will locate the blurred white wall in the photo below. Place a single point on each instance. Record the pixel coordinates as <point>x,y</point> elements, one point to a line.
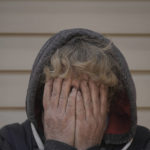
<point>26,25</point>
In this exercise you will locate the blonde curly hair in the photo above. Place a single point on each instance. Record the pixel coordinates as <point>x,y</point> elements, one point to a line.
<point>83,56</point>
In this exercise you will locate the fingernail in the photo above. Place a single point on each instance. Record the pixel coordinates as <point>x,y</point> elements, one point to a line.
<point>74,89</point>
<point>79,94</point>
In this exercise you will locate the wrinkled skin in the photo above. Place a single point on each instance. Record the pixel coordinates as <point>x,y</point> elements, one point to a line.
<point>59,111</point>
<point>75,117</point>
<point>91,115</point>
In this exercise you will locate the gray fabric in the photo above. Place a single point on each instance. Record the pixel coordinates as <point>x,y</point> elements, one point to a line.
<point>46,52</point>
<point>147,146</point>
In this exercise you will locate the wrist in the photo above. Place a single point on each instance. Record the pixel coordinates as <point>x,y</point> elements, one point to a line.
<point>96,147</point>
<point>57,145</point>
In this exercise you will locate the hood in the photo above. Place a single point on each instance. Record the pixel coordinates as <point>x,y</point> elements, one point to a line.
<point>122,117</point>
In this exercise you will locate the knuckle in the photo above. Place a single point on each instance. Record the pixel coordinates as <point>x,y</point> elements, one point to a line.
<point>69,105</point>
<point>88,101</point>
<point>54,93</point>
<point>80,111</point>
<point>61,103</point>
<point>62,96</point>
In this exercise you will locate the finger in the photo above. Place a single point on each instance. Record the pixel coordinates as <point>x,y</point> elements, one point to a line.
<point>70,108</point>
<point>95,98</point>
<point>80,110</point>
<point>47,93</point>
<point>57,84</point>
<point>66,85</point>
<point>75,83</point>
<point>103,100</point>
<point>87,99</point>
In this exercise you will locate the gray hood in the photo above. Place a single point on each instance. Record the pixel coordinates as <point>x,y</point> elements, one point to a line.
<point>122,117</point>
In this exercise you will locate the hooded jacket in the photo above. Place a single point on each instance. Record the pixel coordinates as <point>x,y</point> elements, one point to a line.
<point>122,131</point>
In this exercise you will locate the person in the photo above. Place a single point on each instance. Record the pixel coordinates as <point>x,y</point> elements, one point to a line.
<point>81,95</point>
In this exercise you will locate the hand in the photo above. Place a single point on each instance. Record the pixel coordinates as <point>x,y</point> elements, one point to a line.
<point>91,112</point>
<point>59,111</point>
